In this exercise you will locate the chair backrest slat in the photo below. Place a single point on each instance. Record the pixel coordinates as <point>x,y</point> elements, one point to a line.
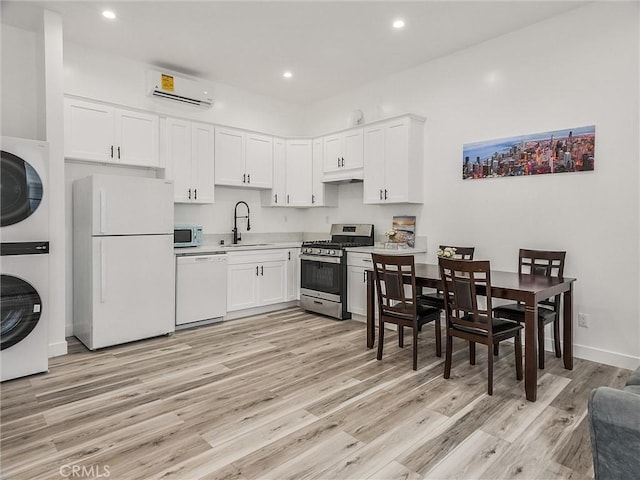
<point>542,262</point>
<point>464,281</point>
<point>395,279</point>
<point>462,253</point>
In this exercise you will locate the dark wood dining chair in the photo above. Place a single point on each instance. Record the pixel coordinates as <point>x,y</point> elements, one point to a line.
<point>464,281</point>
<point>395,280</point>
<point>538,262</point>
<point>435,298</point>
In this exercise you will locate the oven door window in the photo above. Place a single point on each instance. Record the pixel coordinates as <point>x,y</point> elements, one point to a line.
<point>21,189</point>
<point>20,307</point>
<point>321,276</point>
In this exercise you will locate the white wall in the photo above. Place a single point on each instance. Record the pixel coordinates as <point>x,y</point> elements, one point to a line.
<point>22,87</point>
<point>577,69</point>
<point>31,101</point>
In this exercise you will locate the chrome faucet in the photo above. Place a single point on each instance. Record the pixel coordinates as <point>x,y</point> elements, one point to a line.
<point>236,236</point>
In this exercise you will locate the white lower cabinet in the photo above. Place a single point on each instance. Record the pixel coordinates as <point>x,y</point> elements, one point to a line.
<point>256,278</point>
<point>357,265</point>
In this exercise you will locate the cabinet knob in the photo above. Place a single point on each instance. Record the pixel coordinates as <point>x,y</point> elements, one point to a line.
<point>313,199</point>
<point>118,152</point>
<point>262,270</point>
<point>189,194</point>
<point>287,198</point>
<point>195,193</point>
<point>248,178</point>
<point>256,270</point>
<point>338,162</point>
<point>380,194</point>
<point>111,151</point>
<point>385,193</point>
<point>275,198</point>
<point>244,178</point>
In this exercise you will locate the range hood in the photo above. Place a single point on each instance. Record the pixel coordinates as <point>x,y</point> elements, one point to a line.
<point>350,176</point>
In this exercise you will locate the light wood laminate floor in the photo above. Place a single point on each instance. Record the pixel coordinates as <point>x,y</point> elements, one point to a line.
<point>293,395</point>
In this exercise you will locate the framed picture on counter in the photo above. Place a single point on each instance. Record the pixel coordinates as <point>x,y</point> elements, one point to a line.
<point>405,227</point>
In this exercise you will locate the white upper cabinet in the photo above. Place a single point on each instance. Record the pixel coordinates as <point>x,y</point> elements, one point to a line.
<point>323,194</point>
<point>343,155</point>
<point>393,158</point>
<point>277,196</point>
<point>243,159</point>
<point>103,133</point>
<point>299,173</point>
<point>189,160</point>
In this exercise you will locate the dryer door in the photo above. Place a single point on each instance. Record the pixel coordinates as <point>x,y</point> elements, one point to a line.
<point>20,307</point>
<point>21,188</point>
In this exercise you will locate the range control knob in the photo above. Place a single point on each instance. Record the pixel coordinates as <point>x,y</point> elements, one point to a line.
<point>332,252</point>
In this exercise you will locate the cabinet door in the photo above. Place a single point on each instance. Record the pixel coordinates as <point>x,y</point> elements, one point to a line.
<point>299,173</point>
<point>293,274</point>
<point>136,136</point>
<point>229,157</point>
<point>279,191</point>
<point>202,139</point>
<point>332,153</point>
<point>374,164</point>
<point>178,145</point>
<point>259,161</point>
<point>356,290</point>
<point>242,287</point>
<point>88,131</point>
<point>273,277</point>
<point>396,168</point>
<point>128,306</point>
<point>353,149</point>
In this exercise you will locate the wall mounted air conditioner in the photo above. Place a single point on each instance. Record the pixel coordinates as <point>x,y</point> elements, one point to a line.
<point>179,89</point>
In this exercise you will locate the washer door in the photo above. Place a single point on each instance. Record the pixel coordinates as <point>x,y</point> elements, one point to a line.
<point>21,188</point>
<point>20,307</point>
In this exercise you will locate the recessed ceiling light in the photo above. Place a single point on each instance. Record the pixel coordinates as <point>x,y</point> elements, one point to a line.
<point>109,14</point>
<point>399,23</point>
<point>287,74</point>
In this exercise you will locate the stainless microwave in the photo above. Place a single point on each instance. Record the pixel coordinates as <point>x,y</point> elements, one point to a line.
<point>187,236</point>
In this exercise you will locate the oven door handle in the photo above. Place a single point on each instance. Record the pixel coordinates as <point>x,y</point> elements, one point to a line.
<point>320,258</point>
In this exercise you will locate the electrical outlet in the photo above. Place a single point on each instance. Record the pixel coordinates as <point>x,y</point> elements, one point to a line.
<point>583,320</point>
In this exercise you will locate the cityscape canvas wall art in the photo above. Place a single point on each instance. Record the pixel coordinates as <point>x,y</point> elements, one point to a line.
<point>559,151</point>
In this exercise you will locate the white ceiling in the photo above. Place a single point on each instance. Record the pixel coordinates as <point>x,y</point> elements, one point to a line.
<point>329,46</point>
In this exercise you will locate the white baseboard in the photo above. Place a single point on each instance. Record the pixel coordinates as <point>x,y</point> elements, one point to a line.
<point>57,349</point>
<point>606,357</point>
<point>592,354</point>
<point>259,310</point>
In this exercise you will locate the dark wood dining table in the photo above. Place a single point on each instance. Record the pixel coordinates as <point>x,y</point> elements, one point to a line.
<point>525,288</point>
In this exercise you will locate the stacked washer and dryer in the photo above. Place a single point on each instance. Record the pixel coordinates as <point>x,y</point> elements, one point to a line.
<point>24,262</point>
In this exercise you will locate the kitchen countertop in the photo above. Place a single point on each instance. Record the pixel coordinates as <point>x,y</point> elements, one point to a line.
<point>387,251</point>
<point>217,248</point>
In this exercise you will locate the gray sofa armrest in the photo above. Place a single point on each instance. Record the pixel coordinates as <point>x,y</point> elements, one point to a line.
<point>614,426</point>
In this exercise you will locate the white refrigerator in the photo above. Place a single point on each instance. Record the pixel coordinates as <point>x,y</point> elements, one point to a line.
<point>123,260</point>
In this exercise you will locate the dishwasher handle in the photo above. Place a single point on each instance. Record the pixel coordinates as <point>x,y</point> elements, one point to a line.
<point>187,259</point>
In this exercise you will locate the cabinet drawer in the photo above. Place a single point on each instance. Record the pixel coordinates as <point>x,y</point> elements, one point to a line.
<point>359,260</point>
<point>257,256</point>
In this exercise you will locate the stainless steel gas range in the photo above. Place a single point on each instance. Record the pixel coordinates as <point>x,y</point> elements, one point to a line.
<point>323,269</point>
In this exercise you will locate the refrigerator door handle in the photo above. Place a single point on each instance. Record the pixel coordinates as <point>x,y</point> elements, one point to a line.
<point>103,272</point>
<point>103,210</point>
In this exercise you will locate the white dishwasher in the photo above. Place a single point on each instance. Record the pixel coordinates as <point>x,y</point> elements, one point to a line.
<point>201,289</point>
